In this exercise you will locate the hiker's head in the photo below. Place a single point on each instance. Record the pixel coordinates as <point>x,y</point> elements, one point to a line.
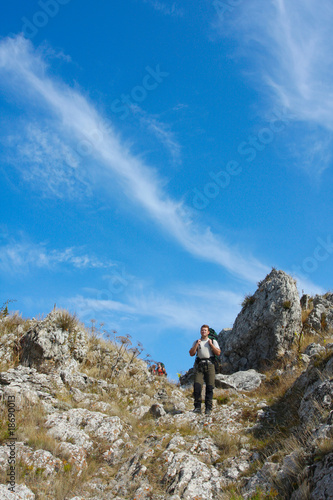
<point>204,330</point>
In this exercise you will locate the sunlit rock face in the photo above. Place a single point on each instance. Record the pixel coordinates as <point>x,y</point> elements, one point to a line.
<point>266,327</point>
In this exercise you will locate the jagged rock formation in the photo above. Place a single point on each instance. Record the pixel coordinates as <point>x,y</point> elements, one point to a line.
<point>320,319</point>
<point>55,340</point>
<point>98,425</point>
<point>265,328</point>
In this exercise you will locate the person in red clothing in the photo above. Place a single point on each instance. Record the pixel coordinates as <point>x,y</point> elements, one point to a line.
<point>160,369</point>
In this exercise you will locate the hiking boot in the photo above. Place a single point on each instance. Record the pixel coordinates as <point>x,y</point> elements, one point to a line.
<point>197,410</point>
<point>208,411</point>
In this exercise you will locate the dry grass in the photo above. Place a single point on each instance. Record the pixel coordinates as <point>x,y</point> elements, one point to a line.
<point>64,484</point>
<point>67,321</point>
<point>276,384</point>
<point>110,357</point>
<point>324,447</point>
<point>30,429</point>
<point>308,339</point>
<point>228,444</point>
<point>4,433</point>
<point>248,301</point>
<point>10,323</point>
<point>12,328</point>
<point>305,314</point>
<point>30,421</point>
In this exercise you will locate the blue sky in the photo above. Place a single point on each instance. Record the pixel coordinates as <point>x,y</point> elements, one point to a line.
<point>159,158</point>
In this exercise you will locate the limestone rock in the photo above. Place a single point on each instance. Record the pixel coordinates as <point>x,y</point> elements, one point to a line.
<point>318,397</point>
<point>107,443</point>
<point>22,492</point>
<point>314,350</point>
<point>320,319</point>
<point>53,342</point>
<point>322,479</point>
<point>241,381</point>
<point>190,478</point>
<point>263,480</point>
<point>265,328</point>
<point>157,410</point>
<point>187,379</point>
<point>30,387</point>
<point>80,426</point>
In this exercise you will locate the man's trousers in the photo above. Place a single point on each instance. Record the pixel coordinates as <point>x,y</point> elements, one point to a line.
<point>204,372</point>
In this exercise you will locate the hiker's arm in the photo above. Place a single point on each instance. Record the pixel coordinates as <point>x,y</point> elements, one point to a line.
<point>194,349</point>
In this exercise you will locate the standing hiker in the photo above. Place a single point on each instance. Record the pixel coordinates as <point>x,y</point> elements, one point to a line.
<point>204,369</point>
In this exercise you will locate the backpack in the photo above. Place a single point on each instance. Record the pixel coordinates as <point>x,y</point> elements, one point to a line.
<point>217,363</point>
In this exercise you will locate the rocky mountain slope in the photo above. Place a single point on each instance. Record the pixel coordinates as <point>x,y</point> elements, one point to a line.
<point>83,418</point>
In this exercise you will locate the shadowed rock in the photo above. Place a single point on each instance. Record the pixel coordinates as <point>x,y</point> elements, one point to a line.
<point>54,342</point>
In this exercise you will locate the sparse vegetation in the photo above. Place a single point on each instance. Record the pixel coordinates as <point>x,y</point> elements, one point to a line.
<point>12,329</point>
<point>248,300</point>
<point>222,399</point>
<point>118,388</point>
<point>227,443</point>
<point>67,321</point>
<point>324,447</point>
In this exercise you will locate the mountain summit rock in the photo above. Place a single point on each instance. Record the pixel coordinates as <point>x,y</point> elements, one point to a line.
<point>266,327</point>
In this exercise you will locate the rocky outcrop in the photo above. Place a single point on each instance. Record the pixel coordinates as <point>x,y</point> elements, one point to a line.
<point>54,341</point>
<point>265,328</point>
<point>320,319</point>
<point>133,435</point>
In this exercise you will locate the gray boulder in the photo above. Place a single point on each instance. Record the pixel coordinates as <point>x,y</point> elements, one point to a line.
<point>265,328</point>
<point>241,381</point>
<point>190,478</point>
<point>22,492</point>
<point>54,341</point>
<point>322,479</point>
<point>314,350</point>
<point>320,319</point>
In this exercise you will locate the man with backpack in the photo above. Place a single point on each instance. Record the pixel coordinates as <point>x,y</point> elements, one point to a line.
<point>204,368</point>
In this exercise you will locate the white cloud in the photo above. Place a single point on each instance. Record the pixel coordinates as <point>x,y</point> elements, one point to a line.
<point>159,130</point>
<point>19,257</point>
<point>79,121</point>
<point>186,308</point>
<point>46,162</point>
<point>291,46</point>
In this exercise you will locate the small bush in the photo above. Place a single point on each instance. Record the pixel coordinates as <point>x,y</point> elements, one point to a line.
<point>324,447</point>
<point>248,300</point>
<point>228,444</point>
<point>249,414</point>
<point>67,321</point>
<point>286,304</point>
<point>222,400</point>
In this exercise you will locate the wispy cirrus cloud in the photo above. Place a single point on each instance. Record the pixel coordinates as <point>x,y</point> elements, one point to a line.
<point>75,118</point>
<point>160,130</point>
<point>46,162</point>
<point>290,46</point>
<point>21,256</point>
<point>178,310</point>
